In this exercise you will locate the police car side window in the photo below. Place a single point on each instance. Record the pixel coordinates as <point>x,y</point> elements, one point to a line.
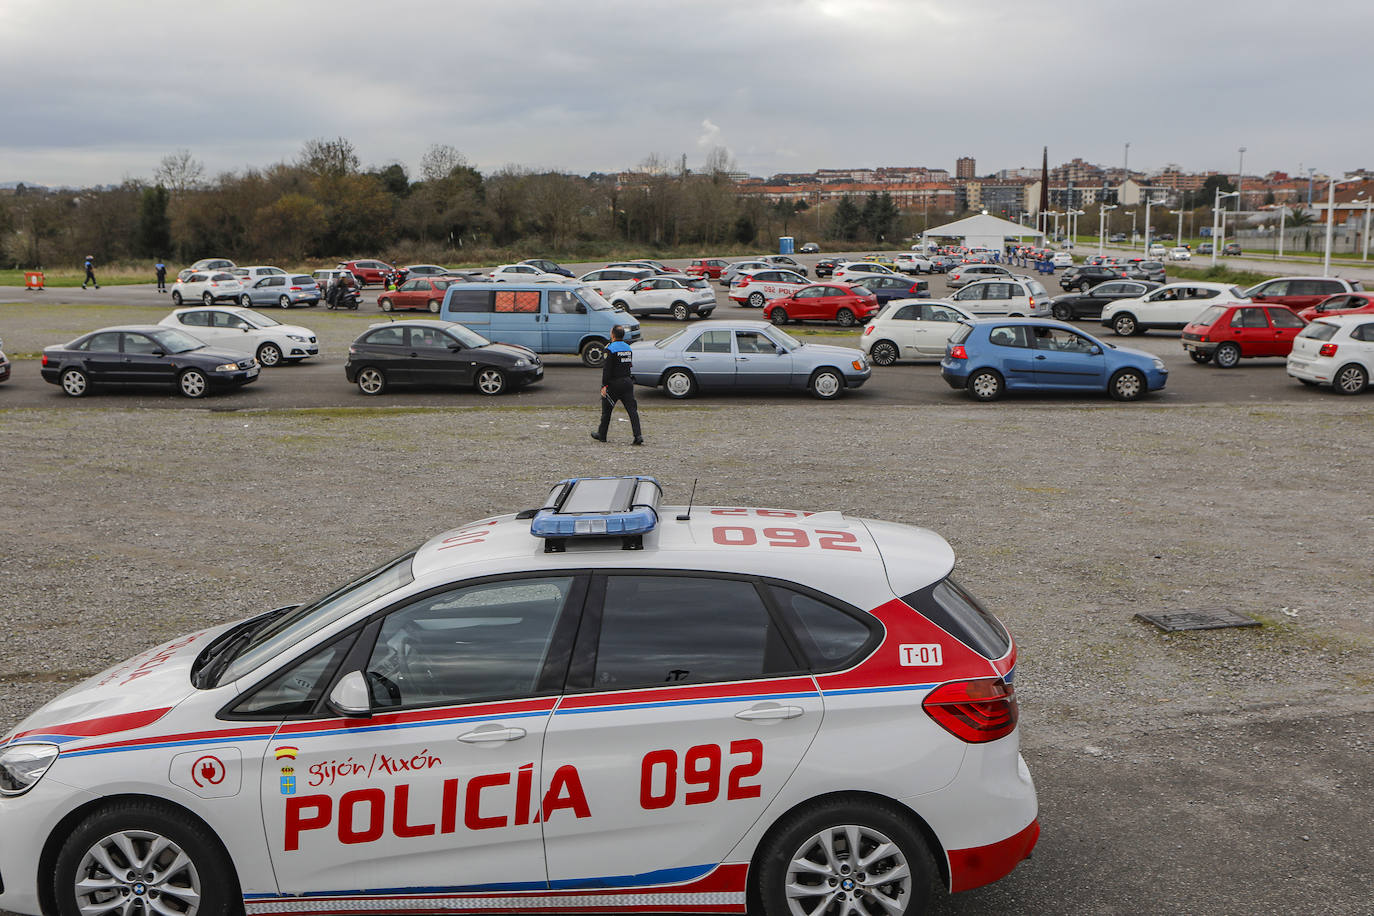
<point>481,642</point>
<point>664,630</point>
<point>297,690</point>
<point>828,636</point>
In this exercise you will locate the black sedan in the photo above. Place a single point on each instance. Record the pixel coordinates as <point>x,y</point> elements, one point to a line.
<point>1089,304</point>
<point>4,363</point>
<point>429,352</point>
<point>889,288</point>
<point>1153,271</point>
<point>941,263</point>
<point>825,267</point>
<point>144,355</point>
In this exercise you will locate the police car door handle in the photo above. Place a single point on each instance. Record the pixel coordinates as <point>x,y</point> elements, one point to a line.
<point>488,733</point>
<point>769,711</point>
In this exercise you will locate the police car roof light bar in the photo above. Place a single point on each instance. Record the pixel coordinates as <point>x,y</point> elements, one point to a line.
<point>598,507</point>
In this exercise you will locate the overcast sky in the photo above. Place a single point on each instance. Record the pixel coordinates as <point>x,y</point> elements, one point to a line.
<point>94,93</point>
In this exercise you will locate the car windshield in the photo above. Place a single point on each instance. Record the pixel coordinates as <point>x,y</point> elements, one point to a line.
<point>1209,317</point>
<point>594,299</point>
<point>787,341</point>
<point>174,341</point>
<point>1238,293</point>
<point>467,337</point>
<point>263,321</point>
<point>660,344</point>
<point>290,628</point>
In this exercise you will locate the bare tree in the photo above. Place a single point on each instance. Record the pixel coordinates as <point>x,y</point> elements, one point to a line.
<point>180,172</point>
<point>329,158</point>
<point>440,161</point>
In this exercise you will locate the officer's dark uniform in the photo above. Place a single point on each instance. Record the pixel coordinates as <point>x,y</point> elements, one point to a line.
<point>615,376</point>
<point>90,275</point>
<point>161,276</point>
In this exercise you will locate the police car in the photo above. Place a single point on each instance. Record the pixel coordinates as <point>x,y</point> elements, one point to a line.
<point>757,287</point>
<point>599,705</point>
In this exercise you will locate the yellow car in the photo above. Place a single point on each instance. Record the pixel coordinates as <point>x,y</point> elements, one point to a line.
<point>880,259</point>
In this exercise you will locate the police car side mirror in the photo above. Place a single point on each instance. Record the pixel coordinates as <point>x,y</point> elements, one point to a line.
<point>350,696</point>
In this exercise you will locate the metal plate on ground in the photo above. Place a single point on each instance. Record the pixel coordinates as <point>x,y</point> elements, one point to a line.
<point>1210,619</point>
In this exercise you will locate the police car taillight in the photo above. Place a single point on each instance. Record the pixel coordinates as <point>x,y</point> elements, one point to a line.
<point>598,507</point>
<point>975,711</point>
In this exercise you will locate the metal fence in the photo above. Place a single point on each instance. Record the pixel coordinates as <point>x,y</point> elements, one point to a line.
<point>1306,239</point>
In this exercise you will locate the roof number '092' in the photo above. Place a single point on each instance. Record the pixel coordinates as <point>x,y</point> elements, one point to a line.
<point>740,536</point>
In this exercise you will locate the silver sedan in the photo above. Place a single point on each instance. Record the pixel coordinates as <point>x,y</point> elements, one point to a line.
<point>746,355</point>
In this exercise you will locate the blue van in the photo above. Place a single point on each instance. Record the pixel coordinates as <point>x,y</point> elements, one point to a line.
<point>545,317</point>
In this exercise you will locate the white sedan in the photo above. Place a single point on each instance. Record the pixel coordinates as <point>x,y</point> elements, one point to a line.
<point>755,289</point>
<point>1062,259</point>
<point>1337,350</point>
<point>523,273</point>
<point>911,329</point>
<point>207,286</point>
<point>852,271</point>
<point>240,330</point>
<point>1180,254</point>
<point>680,297</point>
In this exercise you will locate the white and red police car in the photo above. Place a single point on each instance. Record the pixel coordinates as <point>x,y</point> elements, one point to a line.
<point>599,706</point>
<point>757,287</point>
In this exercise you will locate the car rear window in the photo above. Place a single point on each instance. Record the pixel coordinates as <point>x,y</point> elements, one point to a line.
<point>1319,330</point>
<point>301,281</point>
<point>961,334</point>
<point>959,614</point>
<point>220,278</point>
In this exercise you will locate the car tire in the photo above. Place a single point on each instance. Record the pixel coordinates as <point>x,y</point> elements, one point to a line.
<point>192,383</point>
<point>76,383</point>
<point>284,302</point>
<point>176,298</point>
<point>593,353</point>
<point>1199,357</point>
<point>826,384</point>
<point>246,301</point>
<point>756,300</point>
<point>1128,385</point>
<point>1125,325</point>
<point>433,306</point>
<point>491,381</point>
<point>805,846</point>
<point>679,383</point>
<point>1350,379</point>
<point>681,312</point>
<point>883,353</point>
<point>269,355</point>
<point>191,869</point>
<point>207,298</point>
<point>986,385</point>
<point>371,380</point>
<point>845,318</point>
<point>385,304</point>
<point>1227,356</point>
<point>1061,312</point>
<point>778,315</point>
<point>705,313</point>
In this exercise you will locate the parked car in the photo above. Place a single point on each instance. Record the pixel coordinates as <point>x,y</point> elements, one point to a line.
<point>991,356</point>
<point>907,329</point>
<point>853,271</point>
<point>566,317</point>
<point>943,263</point>
<point>967,273</point>
<point>250,275</point>
<point>912,263</point>
<point>242,331</point>
<point>1344,304</point>
<point>403,274</point>
<point>1157,251</point>
<point>209,287</point>
<point>1147,270</point>
<point>548,267</point>
<point>710,268</point>
<point>1017,296</point>
<point>810,248</point>
<point>1117,237</point>
<point>522,273</point>
<point>1299,293</point>
<point>784,262</point>
<point>1230,248</point>
<point>143,356</point>
<point>757,288</point>
<point>1336,351</point>
<point>825,267</point>
<point>417,293</point>
<point>733,270</point>
<point>281,290</point>
<point>1086,276</point>
<point>746,356</point>
<point>1061,259</point>
<point>324,277</point>
<point>368,271</point>
<point>4,363</point>
<point>1204,248</point>
<point>608,281</point>
<point>206,265</point>
<point>837,302</point>
<point>429,352</point>
<point>1225,334</point>
<point>665,295</point>
<point>1089,304</point>
<point>1180,254</point>
<point>1168,307</point>
<point>889,288</point>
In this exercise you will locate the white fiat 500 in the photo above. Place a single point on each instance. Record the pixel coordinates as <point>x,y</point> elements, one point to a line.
<point>600,705</point>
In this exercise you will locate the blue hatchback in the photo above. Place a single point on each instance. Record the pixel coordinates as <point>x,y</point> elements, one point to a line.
<point>988,357</point>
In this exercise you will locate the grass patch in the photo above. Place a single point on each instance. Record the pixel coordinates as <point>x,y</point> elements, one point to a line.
<point>1218,274</point>
<point>112,276</point>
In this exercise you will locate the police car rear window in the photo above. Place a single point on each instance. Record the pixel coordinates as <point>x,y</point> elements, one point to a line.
<point>959,614</point>
<point>829,637</point>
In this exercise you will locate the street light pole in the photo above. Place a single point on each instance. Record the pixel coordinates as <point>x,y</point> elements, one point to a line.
<point>1283,221</point>
<point>1149,202</point>
<point>1364,243</point>
<point>1178,239</point>
<point>1331,220</point>
<point>1102,223</point>
<point>1240,183</point>
<point>1216,221</point>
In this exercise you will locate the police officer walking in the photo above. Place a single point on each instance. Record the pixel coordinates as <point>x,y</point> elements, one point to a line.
<point>616,385</point>
<point>90,273</point>
<point>161,276</point>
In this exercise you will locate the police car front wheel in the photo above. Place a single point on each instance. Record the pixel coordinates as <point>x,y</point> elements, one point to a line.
<point>137,857</point>
<point>846,856</point>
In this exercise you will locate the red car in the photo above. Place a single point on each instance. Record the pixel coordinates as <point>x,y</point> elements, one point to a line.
<point>1225,334</point>
<point>845,305</point>
<point>1299,293</point>
<point>1344,304</point>
<point>368,271</point>
<point>709,268</point>
<point>425,293</point>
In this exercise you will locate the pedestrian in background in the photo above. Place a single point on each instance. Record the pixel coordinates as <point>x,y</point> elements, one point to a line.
<point>90,273</point>
<point>617,385</point>
<point>161,276</point>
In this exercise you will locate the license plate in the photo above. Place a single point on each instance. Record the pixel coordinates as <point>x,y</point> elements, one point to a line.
<point>252,373</point>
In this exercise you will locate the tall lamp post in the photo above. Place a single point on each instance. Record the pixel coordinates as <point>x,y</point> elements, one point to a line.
<point>1331,220</point>
<point>1178,239</point>
<point>1073,226</point>
<point>1240,182</point>
<point>1102,223</point>
<point>1149,202</point>
<point>1216,221</point>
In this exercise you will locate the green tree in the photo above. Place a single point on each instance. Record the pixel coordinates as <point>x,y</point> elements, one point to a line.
<point>290,227</point>
<point>1207,195</point>
<point>153,237</point>
<point>879,215</point>
<point>846,221</point>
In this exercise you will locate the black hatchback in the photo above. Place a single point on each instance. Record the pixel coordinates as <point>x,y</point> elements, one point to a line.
<point>144,355</point>
<point>428,352</point>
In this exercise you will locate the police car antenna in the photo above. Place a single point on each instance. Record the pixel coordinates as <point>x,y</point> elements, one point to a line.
<point>687,516</point>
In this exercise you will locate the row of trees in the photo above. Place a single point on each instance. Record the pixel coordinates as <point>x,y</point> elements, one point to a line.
<point>326,204</point>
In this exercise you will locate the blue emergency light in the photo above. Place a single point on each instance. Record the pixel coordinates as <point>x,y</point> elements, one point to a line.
<point>598,507</point>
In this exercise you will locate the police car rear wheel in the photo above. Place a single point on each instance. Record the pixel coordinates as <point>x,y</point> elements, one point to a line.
<point>679,383</point>
<point>139,858</point>
<point>843,856</point>
<point>756,300</point>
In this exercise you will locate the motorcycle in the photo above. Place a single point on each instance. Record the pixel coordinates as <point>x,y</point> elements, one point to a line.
<point>345,298</point>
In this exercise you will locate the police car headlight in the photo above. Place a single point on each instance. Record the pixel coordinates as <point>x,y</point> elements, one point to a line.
<point>227,367</point>
<point>22,765</point>
<point>1159,363</point>
<point>298,337</point>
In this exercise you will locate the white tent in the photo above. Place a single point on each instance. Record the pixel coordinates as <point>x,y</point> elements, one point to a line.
<point>983,231</point>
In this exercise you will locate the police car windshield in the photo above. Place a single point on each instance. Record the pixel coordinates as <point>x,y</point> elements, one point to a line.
<point>594,299</point>
<point>298,624</point>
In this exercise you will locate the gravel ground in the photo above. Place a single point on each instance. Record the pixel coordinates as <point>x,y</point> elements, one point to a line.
<point>126,527</point>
